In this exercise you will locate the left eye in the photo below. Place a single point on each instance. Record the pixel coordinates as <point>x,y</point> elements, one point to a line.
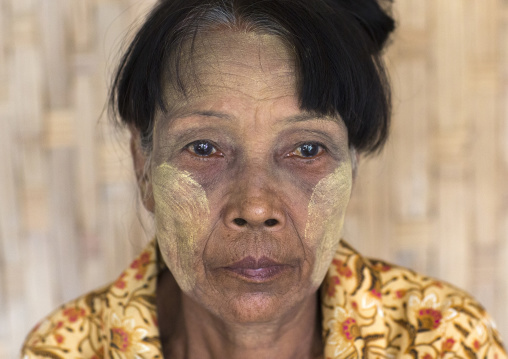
<point>308,150</point>
<point>202,148</point>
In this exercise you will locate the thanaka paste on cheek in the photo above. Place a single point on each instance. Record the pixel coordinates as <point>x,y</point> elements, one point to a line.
<point>325,217</point>
<point>181,215</point>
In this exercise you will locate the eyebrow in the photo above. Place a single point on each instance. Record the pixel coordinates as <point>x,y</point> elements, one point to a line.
<point>301,117</point>
<point>220,115</point>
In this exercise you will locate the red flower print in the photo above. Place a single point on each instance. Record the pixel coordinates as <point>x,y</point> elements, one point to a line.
<point>139,275</point>
<point>120,339</point>
<point>332,283</point>
<point>120,283</point>
<point>59,338</point>
<point>382,267</point>
<point>343,330</point>
<point>427,356</point>
<point>342,268</point>
<point>447,345</point>
<point>73,314</point>
<point>476,345</point>
<point>350,329</point>
<point>428,313</point>
<point>429,318</point>
<point>400,293</point>
<point>145,258</point>
<point>126,338</point>
<point>142,261</point>
<point>141,265</point>
<point>376,293</point>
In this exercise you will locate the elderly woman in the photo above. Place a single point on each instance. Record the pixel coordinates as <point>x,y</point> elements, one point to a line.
<point>247,118</point>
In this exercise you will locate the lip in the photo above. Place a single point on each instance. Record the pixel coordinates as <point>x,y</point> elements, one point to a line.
<point>257,270</point>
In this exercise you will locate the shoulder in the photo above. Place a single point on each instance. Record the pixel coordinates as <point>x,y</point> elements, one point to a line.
<point>436,317</point>
<point>120,318</point>
<point>72,330</point>
<point>398,312</point>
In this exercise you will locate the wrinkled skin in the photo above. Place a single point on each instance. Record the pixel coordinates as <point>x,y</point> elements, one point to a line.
<point>267,180</point>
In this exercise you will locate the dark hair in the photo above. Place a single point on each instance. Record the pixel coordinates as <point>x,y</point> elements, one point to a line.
<point>337,46</point>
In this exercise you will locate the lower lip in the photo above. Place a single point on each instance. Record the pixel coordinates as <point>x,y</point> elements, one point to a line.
<point>259,274</point>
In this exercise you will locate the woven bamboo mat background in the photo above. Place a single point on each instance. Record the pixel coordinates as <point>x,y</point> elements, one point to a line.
<point>436,200</point>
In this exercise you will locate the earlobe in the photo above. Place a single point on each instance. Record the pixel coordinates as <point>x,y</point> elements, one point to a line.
<point>141,164</point>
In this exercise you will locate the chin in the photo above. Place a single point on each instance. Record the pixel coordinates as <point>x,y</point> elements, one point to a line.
<point>255,308</point>
<point>259,308</point>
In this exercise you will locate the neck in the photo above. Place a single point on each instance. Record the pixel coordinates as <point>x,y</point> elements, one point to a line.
<point>190,331</point>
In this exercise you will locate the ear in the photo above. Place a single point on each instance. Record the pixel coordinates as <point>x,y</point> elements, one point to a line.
<point>141,169</point>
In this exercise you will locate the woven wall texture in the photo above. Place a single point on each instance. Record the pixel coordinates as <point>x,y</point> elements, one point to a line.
<point>436,200</point>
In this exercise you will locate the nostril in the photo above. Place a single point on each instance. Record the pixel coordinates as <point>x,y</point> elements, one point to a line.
<point>240,222</point>
<point>271,222</point>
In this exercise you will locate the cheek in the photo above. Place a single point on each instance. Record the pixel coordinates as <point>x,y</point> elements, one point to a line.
<point>181,214</point>
<point>326,210</point>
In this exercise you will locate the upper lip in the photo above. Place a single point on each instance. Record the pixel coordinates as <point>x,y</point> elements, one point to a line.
<point>253,263</point>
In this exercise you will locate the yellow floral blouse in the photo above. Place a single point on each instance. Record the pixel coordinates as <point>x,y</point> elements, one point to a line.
<point>370,309</point>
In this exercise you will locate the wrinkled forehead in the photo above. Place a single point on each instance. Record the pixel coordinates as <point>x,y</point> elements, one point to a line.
<point>258,65</point>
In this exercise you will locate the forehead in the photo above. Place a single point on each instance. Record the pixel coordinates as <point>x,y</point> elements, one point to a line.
<point>253,65</point>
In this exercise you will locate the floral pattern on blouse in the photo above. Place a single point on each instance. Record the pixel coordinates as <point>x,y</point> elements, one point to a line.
<point>370,309</point>
<point>115,322</point>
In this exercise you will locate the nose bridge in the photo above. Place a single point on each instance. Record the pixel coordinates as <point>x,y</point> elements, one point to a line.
<point>255,176</point>
<point>255,201</point>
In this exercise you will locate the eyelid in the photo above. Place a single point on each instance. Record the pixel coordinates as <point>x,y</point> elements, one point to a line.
<point>322,150</point>
<point>216,151</point>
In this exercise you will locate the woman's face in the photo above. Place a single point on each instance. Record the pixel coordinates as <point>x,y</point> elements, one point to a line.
<point>250,192</point>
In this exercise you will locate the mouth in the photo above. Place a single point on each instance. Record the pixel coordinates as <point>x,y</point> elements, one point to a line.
<point>257,270</point>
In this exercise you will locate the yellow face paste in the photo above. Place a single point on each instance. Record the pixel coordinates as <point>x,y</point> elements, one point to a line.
<point>326,211</point>
<point>181,214</point>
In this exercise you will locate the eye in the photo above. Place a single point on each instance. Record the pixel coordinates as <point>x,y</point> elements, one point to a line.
<point>308,150</point>
<point>203,148</point>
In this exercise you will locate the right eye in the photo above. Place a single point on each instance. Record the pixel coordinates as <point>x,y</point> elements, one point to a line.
<point>203,148</point>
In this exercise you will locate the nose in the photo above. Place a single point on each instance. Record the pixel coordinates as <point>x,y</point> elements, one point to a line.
<point>254,206</point>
